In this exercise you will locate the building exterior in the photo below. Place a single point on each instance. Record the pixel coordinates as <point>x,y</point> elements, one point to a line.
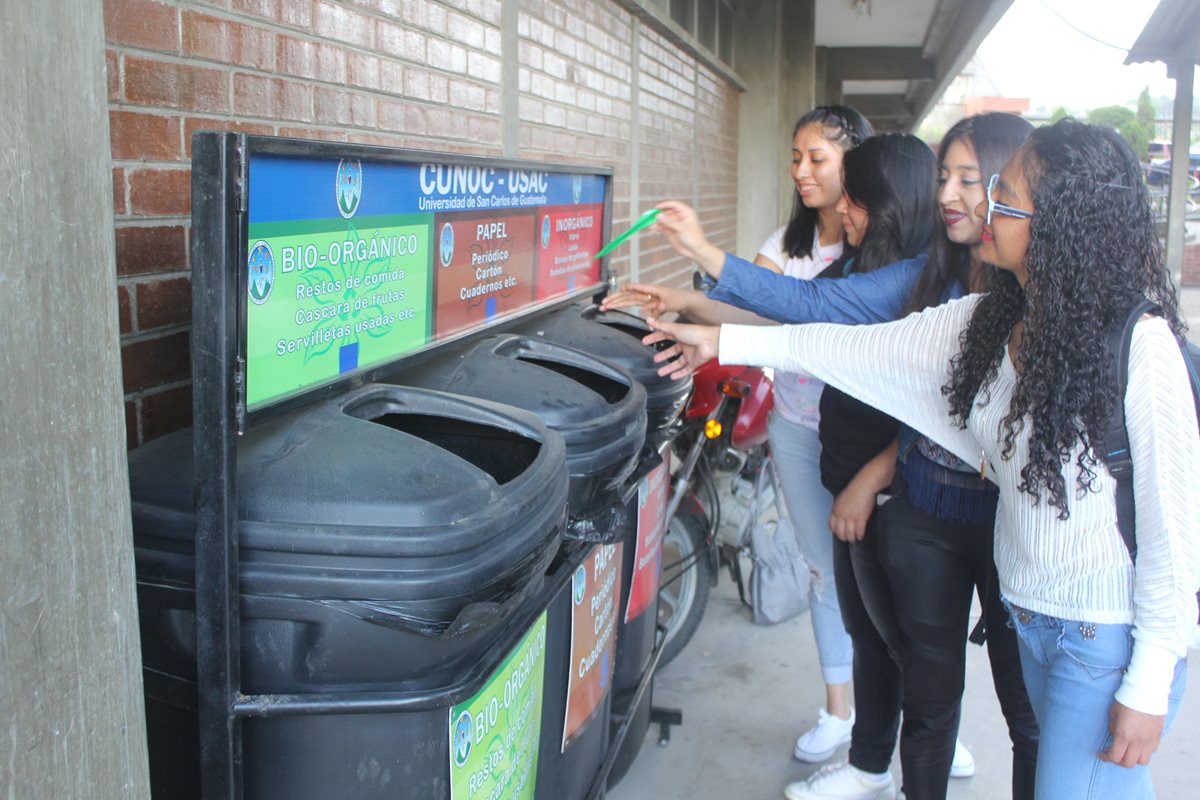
<point>689,100</point>
<point>693,99</point>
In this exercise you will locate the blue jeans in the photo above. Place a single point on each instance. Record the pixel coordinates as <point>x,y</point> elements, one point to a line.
<point>797,453</point>
<point>1072,671</point>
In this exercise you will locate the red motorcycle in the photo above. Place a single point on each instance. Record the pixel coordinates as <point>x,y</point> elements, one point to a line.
<point>720,451</point>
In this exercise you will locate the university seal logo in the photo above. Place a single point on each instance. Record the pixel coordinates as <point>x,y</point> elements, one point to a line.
<point>464,734</point>
<point>261,272</point>
<point>446,244</point>
<point>577,188</point>
<point>545,231</point>
<point>580,585</point>
<point>349,187</point>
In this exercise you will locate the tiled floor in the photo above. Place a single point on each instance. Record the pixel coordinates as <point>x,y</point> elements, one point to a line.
<point>746,692</point>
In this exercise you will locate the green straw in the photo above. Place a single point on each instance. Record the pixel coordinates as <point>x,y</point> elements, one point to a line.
<point>642,221</point>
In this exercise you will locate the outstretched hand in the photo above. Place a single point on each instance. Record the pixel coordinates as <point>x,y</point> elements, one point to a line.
<point>682,228</point>
<point>655,300</point>
<point>691,346</point>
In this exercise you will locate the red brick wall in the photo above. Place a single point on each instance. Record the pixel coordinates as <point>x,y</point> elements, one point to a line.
<point>405,73</point>
<point>1191,265</point>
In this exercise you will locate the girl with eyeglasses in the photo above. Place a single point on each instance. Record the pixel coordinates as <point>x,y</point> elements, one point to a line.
<point>1020,381</point>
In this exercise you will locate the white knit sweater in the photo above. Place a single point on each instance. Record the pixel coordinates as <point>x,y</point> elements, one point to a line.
<point>1078,569</point>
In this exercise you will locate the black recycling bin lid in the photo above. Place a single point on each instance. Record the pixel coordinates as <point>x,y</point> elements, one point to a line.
<point>426,501</point>
<point>616,336</point>
<point>596,406</point>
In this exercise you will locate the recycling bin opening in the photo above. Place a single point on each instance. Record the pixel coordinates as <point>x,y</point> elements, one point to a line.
<point>501,454</point>
<point>610,390</point>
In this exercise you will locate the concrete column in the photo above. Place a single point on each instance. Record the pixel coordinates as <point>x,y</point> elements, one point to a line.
<point>820,77</point>
<point>1184,73</point>
<point>798,88</point>
<point>635,146</point>
<point>775,54</point>
<point>510,95</point>
<point>70,659</point>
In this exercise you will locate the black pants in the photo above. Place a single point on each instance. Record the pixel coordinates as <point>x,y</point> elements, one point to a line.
<point>860,582</point>
<point>933,566</point>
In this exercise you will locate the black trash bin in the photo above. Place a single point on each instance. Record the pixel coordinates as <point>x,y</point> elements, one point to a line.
<point>616,336</point>
<point>596,406</point>
<point>600,411</point>
<point>393,541</point>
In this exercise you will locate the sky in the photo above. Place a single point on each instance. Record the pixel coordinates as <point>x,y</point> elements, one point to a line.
<point>1047,50</point>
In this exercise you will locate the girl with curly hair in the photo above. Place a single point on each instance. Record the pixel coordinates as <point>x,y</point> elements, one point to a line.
<point>1020,381</point>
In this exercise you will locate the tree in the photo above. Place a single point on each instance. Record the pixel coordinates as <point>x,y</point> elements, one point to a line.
<point>1124,122</point>
<point>1059,113</point>
<point>1145,112</point>
<point>1111,116</point>
<point>1138,139</point>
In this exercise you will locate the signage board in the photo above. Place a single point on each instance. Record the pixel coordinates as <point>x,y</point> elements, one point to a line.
<point>356,259</point>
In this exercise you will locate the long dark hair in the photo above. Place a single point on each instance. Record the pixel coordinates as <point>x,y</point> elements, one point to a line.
<point>891,176</point>
<point>1093,252</point>
<point>846,128</point>
<point>993,138</point>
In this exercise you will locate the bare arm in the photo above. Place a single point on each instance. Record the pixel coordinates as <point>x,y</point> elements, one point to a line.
<point>855,504</point>
<point>678,221</point>
<point>762,261</point>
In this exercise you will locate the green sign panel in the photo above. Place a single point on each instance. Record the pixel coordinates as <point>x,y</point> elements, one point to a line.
<point>340,295</point>
<point>494,735</point>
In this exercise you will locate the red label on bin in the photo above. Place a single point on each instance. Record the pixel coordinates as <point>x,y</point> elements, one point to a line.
<point>595,594</point>
<point>652,517</point>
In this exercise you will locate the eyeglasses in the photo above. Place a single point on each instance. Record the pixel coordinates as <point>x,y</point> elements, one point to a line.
<point>1000,208</point>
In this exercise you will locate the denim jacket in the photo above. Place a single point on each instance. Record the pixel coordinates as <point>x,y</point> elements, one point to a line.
<point>862,298</point>
<point>865,298</point>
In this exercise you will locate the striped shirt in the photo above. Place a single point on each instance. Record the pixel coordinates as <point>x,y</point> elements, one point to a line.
<point>1077,569</point>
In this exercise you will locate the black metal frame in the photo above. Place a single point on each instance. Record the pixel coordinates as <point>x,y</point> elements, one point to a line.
<point>663,717</point>
<point>220,163</point>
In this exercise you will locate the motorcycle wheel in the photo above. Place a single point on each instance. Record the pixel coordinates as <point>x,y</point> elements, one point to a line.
<point>685,582</point>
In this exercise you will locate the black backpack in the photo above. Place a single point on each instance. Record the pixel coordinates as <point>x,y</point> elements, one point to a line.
<point>1116,443</point>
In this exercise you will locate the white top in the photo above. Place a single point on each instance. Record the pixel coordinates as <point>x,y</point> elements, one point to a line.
<point>1078,569</point>
<point>798,396</point>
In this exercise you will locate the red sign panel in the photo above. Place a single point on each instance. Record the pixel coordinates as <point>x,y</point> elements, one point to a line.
<point>568,238</point>
<point>594,597</point>
<point>483,268</point>
<point>652,517</point>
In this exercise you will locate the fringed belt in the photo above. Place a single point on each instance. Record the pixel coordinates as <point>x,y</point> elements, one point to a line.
<point>948,493</point>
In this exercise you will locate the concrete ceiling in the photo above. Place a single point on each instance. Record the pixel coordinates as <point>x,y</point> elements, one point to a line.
<point>889,24</point>
<point>892,59</point>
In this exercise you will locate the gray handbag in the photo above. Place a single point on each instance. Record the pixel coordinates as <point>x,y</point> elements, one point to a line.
<point>779,577</point>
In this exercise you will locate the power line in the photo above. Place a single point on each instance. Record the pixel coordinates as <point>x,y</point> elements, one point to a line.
<point>1080,31</point>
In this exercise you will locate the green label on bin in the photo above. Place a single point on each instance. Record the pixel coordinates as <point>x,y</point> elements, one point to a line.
<point>494,735</point>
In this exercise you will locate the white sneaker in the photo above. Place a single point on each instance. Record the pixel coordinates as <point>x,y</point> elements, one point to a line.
<point>842,782</point>
<point>821,740</point>
<point>963,765</point>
